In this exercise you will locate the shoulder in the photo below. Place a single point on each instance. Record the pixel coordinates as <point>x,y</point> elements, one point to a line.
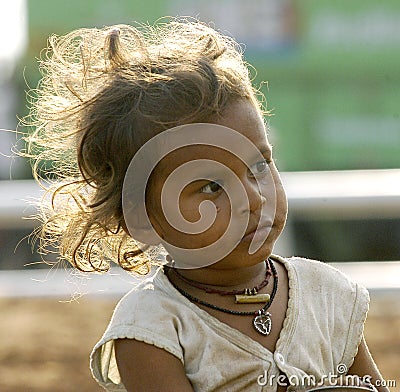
<point>325,291</point>
<point>145,314</point>
<point>316,275</point>
<point>337,306</point>
<point>146,305</point>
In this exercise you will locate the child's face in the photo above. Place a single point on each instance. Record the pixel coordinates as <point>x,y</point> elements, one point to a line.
<point>263,203</point>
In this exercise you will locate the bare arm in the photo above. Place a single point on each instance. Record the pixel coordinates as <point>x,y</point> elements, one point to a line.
<point>144,367</point>
<point>364,365</point>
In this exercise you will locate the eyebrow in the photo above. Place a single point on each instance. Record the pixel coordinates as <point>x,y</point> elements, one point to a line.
<point>266,149</point>
<point>263,150</point>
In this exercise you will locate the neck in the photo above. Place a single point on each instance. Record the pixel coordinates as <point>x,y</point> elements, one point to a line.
<point>225,277</point>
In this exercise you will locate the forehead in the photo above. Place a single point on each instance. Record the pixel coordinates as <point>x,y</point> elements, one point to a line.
<point>246,119</point>
<point>239,135</point>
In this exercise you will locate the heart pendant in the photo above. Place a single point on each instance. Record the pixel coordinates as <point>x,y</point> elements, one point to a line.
<point>262,322</point>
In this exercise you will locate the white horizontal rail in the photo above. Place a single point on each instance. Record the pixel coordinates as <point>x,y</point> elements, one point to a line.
<point>64,283</point>
<point>377,277</point>
<point>16,198</point>
<point>344,194</point>
<point>311,195</point>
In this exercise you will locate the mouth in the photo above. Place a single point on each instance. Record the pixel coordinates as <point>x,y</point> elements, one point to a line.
<point>260,232</point>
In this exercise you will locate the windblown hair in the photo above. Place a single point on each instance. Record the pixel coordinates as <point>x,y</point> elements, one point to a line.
<point>104,93</point>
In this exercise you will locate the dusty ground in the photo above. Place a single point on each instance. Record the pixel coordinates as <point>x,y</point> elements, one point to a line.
<point>44,344</point>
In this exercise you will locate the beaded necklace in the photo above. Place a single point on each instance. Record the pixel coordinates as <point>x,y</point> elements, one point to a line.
<point>262,319</point>
<point>246,295</point>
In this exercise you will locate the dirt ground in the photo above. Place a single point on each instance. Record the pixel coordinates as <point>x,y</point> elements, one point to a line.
<point>45,344</point>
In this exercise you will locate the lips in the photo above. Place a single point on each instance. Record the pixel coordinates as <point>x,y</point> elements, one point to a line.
<point>262,230</point>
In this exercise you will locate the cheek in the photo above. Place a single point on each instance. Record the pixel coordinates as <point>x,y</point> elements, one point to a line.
<point>214,214</point>
<point>195,208</point>
<point>281,200</point>
<point>189,208</point>
<point>223,208</point>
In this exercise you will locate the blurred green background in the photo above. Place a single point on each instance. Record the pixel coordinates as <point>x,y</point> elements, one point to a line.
<point>332,67</point>
<point>330,71</point>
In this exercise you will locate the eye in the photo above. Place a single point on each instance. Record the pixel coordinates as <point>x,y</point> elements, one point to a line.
<point>211,187</point>
<point>260,167</point>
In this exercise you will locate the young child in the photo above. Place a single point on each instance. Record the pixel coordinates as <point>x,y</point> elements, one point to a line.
<point>160,160</point>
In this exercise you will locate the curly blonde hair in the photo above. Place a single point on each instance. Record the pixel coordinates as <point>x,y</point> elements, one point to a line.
<point>104,93</point>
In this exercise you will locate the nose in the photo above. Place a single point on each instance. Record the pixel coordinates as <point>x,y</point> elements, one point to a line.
<point>255,198</point>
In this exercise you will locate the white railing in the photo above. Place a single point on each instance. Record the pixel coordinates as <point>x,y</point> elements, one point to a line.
<point>380,278</point>
<point>344,194</point>
<point>311,195</point>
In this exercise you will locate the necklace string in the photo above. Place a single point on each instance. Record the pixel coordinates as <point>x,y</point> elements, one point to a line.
<point>246,291</point>
<point>229,311</point>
